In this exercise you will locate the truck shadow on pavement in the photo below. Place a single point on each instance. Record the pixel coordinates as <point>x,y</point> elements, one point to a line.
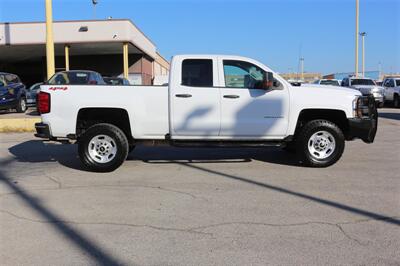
<point>35,151</point>
<point>392,116</point>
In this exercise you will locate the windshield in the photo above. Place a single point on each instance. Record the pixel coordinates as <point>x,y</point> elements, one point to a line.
<point>70,78</point>
<point>362,82</point>
<point>329,82</point>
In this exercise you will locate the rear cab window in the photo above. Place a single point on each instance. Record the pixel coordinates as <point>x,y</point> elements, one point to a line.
<point>197,72</point>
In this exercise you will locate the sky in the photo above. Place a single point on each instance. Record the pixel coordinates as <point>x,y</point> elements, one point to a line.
<point>275,32</point>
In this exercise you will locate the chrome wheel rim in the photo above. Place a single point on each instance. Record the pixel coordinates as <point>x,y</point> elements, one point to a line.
<point>102,149</point>
<point>321,145</point>
<point>23,105</point>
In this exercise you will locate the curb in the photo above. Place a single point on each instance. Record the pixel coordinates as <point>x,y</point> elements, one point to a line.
<point>9,125</point>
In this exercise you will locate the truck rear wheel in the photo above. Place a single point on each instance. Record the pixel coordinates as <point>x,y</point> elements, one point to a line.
<point>103,148</point>
<point>320,143</point>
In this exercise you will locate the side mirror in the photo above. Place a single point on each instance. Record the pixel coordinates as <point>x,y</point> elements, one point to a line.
<point>268,81</point>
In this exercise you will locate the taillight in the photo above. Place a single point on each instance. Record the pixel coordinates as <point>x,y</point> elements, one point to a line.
<point>43,102</point>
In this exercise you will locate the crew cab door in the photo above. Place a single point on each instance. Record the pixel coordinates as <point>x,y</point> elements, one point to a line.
<point>194,99</point>
<point>389,89</point>
<point>248,112</point>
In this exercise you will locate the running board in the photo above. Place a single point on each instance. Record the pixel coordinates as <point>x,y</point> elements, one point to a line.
<point>210,144</point>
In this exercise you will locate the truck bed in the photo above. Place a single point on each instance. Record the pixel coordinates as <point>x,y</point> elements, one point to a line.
<point>147,104</point>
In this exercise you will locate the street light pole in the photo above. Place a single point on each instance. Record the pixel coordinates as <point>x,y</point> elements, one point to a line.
<point>357,16</point>
<point>302,68</point>
<point>49,40</point>
<point>94,2</point>
<point>363,52</point>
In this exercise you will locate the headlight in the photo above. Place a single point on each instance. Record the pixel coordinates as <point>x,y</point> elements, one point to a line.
<point>361,107</point>
<point>377,90</point>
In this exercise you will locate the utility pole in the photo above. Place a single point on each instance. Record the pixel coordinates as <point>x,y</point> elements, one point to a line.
<point>357,17</point>
<point>379,69</point>
<point>94,2</point>
<point>363,34</point>
<point>49,40</point>
<point>302,68</point>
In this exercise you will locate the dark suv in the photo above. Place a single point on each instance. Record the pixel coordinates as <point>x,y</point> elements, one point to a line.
<point>12,93</point>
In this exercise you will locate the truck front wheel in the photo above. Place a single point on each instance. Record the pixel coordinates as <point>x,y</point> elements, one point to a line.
<point>103,148</point>
<point>320,143</point>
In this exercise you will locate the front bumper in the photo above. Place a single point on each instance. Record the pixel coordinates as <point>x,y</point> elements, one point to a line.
<point>42,131</point>
<point>378,98</point>
<point>365,128</point>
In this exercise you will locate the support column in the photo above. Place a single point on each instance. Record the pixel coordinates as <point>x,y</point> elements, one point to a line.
<point>125,56</point>
<point>357,15</point>
<point>49,40</point>
<point>363,54</point>
<point>66,47</point>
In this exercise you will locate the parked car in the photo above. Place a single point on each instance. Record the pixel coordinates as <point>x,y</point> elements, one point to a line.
<point>116,81</point>
<point>12,93</point>
<point>211,101</point>
<point>366,86</point>
<point>76,77</point>
<point>31,94</point>
<point>333,82</point>
<point>392,91</point>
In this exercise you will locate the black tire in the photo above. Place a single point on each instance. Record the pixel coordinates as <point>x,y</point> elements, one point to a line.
<point>21,105</point>
<point>303,142</point>
<point>118,139</point>
<point>380,105</point>
<point>396,101</point>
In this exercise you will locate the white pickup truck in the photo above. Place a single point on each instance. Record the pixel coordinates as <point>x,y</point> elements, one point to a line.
<point>210,101</point>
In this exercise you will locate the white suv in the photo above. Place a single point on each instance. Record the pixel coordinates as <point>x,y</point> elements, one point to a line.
<point>392,90</point>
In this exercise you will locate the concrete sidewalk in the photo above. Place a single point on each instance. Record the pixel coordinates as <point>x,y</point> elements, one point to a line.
<point>17,122</point>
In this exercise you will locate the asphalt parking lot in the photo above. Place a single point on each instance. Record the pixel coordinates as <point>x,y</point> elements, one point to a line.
<point>168,206</point>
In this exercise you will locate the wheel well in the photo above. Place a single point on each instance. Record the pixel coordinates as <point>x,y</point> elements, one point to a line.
<point>335,116</point>
<point>88,117</point>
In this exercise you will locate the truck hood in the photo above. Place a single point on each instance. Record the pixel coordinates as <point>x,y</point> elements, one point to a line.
<point>368,89</point>
<point>328,89</point>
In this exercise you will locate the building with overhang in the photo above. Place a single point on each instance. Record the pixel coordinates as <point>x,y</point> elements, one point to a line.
<point>81,45</point>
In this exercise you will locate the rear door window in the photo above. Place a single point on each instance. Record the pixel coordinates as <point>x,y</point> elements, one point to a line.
<point>197,72</point>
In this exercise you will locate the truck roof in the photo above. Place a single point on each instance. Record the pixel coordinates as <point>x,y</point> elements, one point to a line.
<point>224,56</point>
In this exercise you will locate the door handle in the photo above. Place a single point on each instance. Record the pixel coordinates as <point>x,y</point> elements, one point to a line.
<point>183,95</point>
<point>231,96</point>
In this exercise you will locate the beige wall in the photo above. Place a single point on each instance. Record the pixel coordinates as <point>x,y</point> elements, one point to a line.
<point>143,66</point>
<point>68,32</point>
